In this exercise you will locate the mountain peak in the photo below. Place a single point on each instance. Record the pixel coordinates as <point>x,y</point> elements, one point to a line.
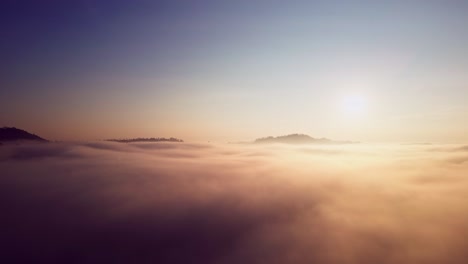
<point>298,139</point>
<point>15,134</point>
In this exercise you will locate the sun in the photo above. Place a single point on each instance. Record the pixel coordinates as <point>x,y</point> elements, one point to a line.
<point>354,105</point>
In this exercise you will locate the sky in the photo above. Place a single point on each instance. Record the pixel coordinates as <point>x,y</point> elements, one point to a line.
<point>372,71</point>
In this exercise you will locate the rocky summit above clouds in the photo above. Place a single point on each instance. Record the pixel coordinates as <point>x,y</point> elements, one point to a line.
<point>299,139</point>
<point>131,140</point>
<point>13,134</point>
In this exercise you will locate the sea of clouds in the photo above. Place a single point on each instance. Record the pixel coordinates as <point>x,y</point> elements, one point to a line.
<point>103,202</point>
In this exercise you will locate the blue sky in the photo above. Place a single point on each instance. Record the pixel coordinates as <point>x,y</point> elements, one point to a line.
<point>232,70</point>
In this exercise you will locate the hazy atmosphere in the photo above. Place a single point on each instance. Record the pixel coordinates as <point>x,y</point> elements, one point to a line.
<point>226,132</point>
<point>200,203</point>
<point>236,70</point>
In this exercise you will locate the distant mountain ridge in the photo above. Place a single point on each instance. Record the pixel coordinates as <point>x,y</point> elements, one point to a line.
<point>146,140</point>
<point>15,134</point>
<point>298,139</point>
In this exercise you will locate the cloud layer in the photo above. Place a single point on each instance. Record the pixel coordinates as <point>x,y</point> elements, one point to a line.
<point>197,203</point>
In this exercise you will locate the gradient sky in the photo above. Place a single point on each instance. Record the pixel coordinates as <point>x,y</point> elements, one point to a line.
<point>235,70</point>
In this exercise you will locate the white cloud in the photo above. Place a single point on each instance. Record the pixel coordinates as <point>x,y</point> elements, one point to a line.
<point>198,203</point>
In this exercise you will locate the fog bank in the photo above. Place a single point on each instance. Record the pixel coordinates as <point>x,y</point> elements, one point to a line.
<point>104,202</point>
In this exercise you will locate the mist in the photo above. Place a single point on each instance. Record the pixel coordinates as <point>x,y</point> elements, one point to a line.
<point>106,202</point>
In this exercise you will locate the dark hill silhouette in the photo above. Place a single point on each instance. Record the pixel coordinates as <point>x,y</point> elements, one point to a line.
<point>146,140</point>
<point>15,134</point>
<point>298,139</point>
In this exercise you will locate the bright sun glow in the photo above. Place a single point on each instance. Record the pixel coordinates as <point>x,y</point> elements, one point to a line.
<point>354,105</point>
